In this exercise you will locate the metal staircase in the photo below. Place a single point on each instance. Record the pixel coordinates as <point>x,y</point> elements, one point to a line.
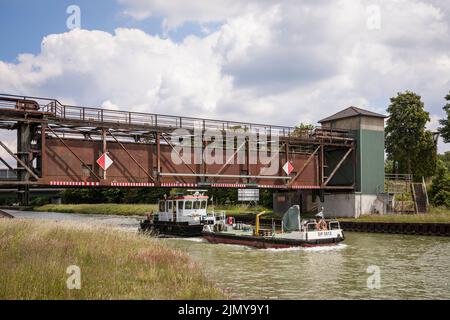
<point>420,197</point>
<point>401,195</point>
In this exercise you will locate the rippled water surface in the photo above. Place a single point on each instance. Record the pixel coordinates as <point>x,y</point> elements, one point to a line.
<point>411,267</point>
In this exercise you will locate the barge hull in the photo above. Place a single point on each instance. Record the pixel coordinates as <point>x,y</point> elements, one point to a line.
<point>172,229</point>
<point>266,243</point>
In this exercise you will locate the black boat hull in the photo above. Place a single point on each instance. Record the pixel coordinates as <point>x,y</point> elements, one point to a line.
<point>266,243</point>
<point>179,229</point>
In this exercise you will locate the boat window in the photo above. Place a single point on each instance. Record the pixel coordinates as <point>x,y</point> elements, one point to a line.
<point>203,204</point>
<point>169,205</point>
<point>162,206</point>
<point>196,204</point>
<point>180,205</point>
<point>188,205</point>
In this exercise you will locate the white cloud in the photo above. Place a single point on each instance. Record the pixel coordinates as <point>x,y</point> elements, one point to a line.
<point>177,12</point>
<point>274,63</point>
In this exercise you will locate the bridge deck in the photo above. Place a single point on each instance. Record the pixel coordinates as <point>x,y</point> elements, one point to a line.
<point>70,138</point>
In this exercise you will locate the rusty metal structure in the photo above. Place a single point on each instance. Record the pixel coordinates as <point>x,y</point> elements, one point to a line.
<point>58,145</point>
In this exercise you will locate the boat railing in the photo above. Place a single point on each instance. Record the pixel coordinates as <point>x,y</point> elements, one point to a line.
<point>331,225</point>
<point>218,216</point>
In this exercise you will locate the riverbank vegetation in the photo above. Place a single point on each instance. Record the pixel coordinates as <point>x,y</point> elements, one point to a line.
<point>221,197</point>
<point>140,209</point>
<point>35,255</point>
<point>436,215</point>
<point>100,209</point>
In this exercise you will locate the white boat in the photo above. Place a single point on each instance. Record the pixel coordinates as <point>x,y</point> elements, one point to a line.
<point>180,215</point>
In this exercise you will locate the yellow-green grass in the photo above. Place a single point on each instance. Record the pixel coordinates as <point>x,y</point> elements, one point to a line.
<point>35,255</point>
<point>103,208</point>
<point>436,215</point>
<point>139,209</point>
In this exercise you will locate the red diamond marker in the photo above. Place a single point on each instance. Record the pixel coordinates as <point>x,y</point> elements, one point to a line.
<point>288,168</point>
<point>104,161</point>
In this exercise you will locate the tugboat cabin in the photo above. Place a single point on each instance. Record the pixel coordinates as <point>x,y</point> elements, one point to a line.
<point>185,208</point>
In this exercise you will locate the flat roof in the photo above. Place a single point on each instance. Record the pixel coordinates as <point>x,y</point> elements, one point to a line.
<point>352,112</point>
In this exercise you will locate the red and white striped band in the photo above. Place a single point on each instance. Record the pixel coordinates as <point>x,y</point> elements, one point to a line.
<point>73,183</point>
<point>132,184</point>
<point>179,185</point>
<point>175,185</point>
<point>305,187</point>
<point>228,185</point>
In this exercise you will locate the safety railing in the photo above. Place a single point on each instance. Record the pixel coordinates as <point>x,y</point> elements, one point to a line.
<point>108,116</point>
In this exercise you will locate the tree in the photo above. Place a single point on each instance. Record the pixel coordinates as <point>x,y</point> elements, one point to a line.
<point>408,144</point>
<point>446,159</point>
<point>445,123</point>
<point>440,187</point>
<point>302,130</point>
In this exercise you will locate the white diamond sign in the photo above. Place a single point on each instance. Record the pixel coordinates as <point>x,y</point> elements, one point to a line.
<point>288,168</point>
<point>104,161</point>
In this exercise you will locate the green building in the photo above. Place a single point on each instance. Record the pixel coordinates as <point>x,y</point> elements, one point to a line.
<point>369,131</point>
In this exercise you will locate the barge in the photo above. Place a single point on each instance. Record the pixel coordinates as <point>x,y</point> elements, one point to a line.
<point>180,215</point>
<point>294,233</point>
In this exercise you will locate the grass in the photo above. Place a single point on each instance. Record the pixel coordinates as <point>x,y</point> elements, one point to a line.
<point>140,209</point>
<point>34,257</point>
<point>102,209</point>
<point>436,215</point>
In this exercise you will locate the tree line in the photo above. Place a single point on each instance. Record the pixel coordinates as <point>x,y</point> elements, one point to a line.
<point>220,196</point>
<point>412,149</point>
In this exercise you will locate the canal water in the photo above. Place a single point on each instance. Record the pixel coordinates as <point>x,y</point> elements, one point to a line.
<point>365,266</point>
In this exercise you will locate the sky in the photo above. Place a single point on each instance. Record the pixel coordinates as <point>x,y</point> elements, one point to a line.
<point>264,61</point>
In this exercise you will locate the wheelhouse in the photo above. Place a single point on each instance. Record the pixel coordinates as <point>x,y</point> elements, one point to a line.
<point>190,208</point>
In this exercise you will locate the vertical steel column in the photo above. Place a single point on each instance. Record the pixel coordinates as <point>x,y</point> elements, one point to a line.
<point>24,137</point>
<point>104,149</point>
<point>247,156</point>
<point>43,150</point>
<point>203,165</point>
<point>158,156</point>
<point>322,165</point>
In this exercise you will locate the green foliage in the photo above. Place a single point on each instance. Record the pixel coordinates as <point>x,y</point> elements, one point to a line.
<point>220,196</point>
<point>440,187</point>
<point>112,195</point>
<point>445,158</point>
<point>302,129</point>
<point>40,201</point>
<point>408,144</point>
<point>389,166</point>
<point>445,123</point>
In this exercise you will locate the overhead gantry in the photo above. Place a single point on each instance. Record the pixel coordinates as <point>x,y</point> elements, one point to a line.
<point>58,145</point>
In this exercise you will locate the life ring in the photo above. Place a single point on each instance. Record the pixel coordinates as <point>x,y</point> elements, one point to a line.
<point>323,225</point>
